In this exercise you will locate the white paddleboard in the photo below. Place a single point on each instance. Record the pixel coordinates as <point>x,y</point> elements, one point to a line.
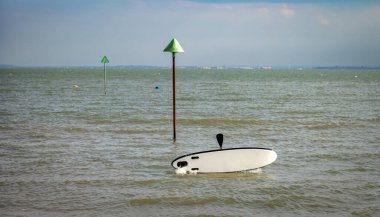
<point>225,160</point>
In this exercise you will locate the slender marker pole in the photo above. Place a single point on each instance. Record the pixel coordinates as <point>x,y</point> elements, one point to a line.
<point>105,88</point>
<point>104,61</point>
<point>174,47</point>
<point>174,116</point>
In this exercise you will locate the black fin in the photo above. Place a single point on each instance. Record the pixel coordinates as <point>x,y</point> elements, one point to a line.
<point>219,137</point>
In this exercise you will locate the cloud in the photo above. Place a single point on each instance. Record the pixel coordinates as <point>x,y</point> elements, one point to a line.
<point>322,20</point>
<point>263,11</point>
<point>286,11</point>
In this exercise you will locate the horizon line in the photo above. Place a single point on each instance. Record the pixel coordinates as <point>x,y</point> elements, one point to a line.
<point>3,66</point>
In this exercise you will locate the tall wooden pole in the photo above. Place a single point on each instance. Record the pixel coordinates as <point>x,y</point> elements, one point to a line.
<point>174,47</point>
<point>174,116</point>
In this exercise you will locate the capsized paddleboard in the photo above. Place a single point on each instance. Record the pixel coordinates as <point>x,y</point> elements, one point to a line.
<point>225,160</point>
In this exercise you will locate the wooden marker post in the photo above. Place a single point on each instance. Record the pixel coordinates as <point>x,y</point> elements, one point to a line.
<point>174,47</point>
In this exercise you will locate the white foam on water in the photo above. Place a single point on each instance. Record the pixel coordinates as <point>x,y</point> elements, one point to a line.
<point>184,171</point>
<point>180,171</point>
<point>258,170</point>
<point>193,172</point>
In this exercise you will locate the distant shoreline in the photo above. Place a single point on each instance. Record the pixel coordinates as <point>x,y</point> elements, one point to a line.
<point>7,66</point>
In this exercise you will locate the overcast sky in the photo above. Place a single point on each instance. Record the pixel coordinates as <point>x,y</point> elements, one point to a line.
<point>212,32</point>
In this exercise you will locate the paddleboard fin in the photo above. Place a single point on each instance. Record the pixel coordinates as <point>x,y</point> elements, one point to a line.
<point>219,137</point>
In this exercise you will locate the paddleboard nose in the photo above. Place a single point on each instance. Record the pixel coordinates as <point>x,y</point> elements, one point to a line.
<point>274,156</point>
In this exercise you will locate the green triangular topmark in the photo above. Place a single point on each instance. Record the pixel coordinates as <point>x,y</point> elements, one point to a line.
<point>105,60</point>
<point>174,47</point>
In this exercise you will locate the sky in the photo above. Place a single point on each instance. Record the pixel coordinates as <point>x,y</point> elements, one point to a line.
<point>212,32</point>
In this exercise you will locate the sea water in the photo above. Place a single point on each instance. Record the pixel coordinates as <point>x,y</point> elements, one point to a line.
<point>66,149</point>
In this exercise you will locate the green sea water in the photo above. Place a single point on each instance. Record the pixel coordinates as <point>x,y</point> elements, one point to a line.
<point>66,149</point>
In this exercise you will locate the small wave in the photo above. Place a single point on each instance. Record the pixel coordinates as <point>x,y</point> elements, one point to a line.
<point>145,201</point>
<point>333,172</point>
<point>236,100</point>
<point>325,126</point>
<point>145,183</point>
<point>290,196</point>
<point>147,121</point>
<point>66,112</point>
<point>375,120</point>
<point>371,211</point>
<point>334,157</point>
<point>358,169</point>
<point>187,98</point>
<point>160,132</point>
<point>220,121</point>
<point>371,186</point>
<point>190,201</point>
<point>100,121</point>
<point>297,112</point>
<point>3,113</point>
<point>183,201</point>
<point>6,128</point>
<point>75,130</point>
<point>346,157</point>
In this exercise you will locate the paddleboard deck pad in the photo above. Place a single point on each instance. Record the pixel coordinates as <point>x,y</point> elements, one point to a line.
<point>225,160</point>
